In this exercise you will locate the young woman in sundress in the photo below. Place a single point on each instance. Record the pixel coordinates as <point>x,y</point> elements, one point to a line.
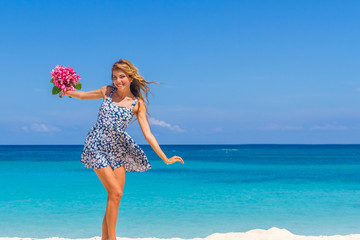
<point>108,148</point>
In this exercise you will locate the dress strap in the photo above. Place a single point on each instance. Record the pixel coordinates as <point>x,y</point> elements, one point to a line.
<point>132,105</point>
<point>111,93</point>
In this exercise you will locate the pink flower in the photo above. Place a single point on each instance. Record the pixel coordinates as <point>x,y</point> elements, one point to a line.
<point>64,77</point>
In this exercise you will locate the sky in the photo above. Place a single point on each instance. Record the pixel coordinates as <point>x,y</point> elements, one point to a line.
<point>232,72</point>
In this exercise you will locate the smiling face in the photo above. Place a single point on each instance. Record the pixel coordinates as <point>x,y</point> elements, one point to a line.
<point>120,79</point>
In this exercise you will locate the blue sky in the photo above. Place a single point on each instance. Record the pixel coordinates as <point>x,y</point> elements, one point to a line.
<point>235,72</point>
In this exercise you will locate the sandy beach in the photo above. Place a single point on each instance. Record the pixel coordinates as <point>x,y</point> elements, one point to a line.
<point>256,234</point>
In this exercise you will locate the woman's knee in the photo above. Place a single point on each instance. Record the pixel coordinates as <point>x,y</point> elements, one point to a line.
<point>115,194</point>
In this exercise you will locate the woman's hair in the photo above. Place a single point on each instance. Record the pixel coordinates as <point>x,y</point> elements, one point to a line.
<point>139,85</point>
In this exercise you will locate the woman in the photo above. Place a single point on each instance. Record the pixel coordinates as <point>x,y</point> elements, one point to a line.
<point>108,148</point>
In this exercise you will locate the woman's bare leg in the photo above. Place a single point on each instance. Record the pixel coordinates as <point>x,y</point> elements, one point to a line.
<point>113,181</point>
<point>104,225</point>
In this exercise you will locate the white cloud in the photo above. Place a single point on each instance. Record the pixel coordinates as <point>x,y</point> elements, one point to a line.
<point>25,128</point>
<point>218,129</point>
<point>328,126</point>
<point>273,126</point>
<point>40,127</point>
<point>154,121</point>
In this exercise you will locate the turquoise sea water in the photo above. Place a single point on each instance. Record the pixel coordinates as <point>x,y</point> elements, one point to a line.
<point>45,191</point>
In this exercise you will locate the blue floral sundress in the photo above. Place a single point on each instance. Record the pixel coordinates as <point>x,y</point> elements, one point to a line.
<point>108,144</point>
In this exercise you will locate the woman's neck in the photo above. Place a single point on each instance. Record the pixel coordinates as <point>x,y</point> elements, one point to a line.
<point>123,94</point>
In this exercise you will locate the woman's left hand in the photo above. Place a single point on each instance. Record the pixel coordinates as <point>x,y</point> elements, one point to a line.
<point>175,159</point>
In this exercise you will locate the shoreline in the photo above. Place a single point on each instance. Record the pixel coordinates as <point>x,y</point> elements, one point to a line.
<point>255,234</point>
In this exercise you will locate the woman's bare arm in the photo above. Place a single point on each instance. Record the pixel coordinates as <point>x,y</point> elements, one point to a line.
<point>145,128</point>
<point>95,94</point>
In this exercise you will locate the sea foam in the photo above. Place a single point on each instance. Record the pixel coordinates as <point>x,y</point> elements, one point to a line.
<point>256,234</point>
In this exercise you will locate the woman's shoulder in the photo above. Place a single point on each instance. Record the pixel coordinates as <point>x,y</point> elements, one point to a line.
<point>140,101</point>
<point>107,90</point>
<point>140,104</point>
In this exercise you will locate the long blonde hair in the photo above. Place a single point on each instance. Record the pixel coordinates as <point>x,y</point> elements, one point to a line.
<point>139,85</point>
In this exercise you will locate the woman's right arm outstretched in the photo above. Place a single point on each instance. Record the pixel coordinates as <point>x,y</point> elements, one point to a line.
<point>95,94</point>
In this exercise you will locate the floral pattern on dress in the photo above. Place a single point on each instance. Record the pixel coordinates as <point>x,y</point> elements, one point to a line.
<point>108,144</point>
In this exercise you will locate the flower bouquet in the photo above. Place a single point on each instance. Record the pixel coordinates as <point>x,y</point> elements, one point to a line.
<point>64,79</point>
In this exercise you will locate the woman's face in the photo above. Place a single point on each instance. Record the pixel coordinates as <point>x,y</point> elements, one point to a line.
<point>120,79</point>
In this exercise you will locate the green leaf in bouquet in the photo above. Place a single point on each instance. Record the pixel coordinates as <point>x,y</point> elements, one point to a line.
<point>69,97</point>
<point>52,80</point>
<point>55,90</point>
<point>78,86</point>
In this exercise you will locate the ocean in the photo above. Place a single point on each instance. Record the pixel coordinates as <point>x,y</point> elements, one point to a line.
<point>45,191</point>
